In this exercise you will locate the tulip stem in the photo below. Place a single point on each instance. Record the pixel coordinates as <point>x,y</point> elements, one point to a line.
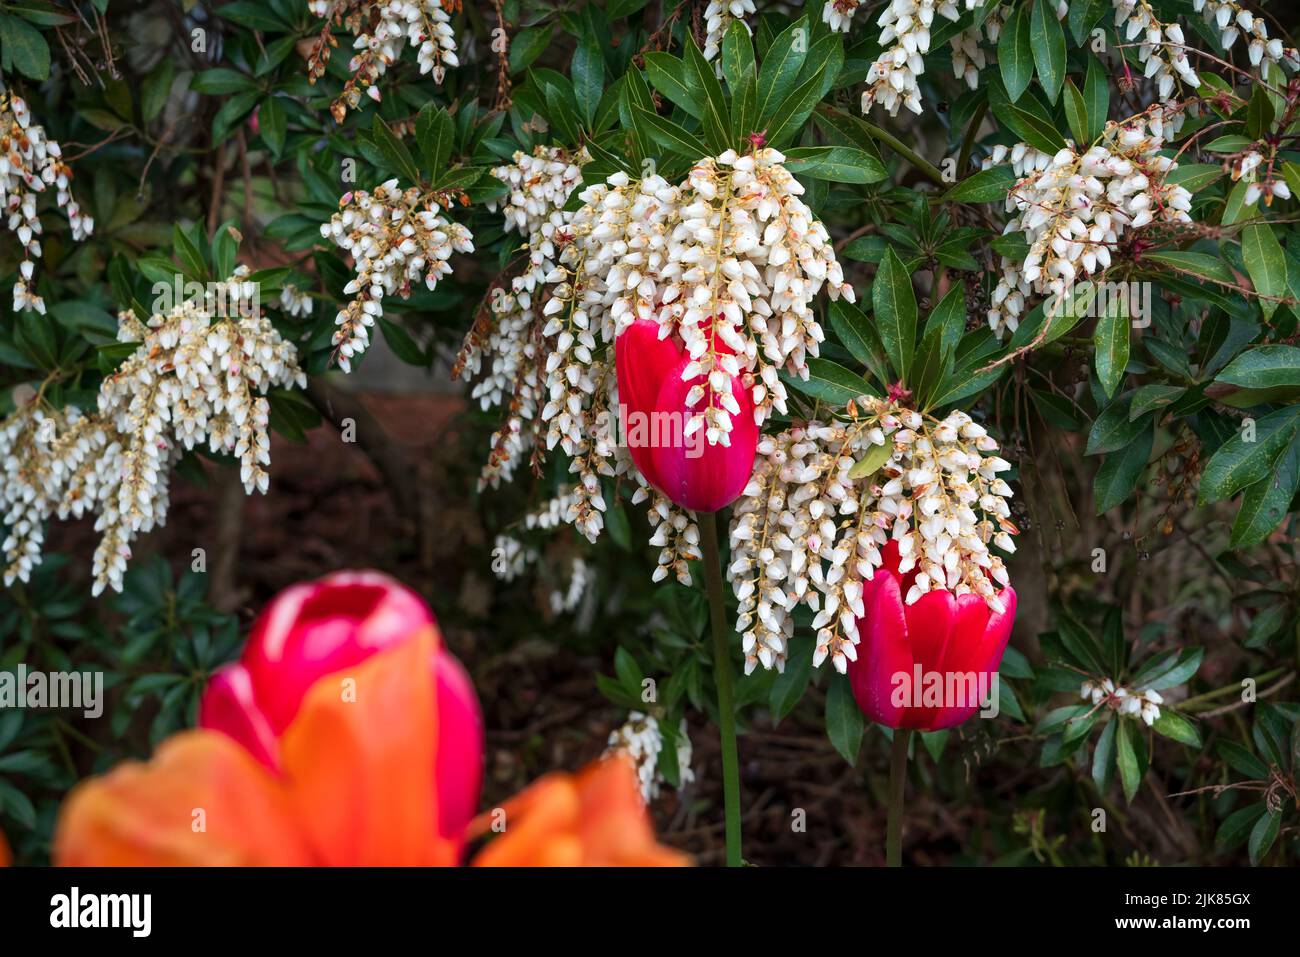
<point>722,677</point>
<point>897,784</point>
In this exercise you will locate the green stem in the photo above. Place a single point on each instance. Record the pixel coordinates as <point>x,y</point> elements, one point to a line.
<point>897,783</point>
<point>722,677</point>
<point>1196,702</point>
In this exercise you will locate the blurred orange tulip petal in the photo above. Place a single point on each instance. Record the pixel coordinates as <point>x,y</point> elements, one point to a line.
<point>595,818</point>
<point>202,800</point>
<point>357,757</point>
<point>5,858</point>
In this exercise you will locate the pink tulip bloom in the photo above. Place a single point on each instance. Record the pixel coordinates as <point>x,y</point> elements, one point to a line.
<point>958,639</point>
<point>328,627</point>
<point>653,416</point>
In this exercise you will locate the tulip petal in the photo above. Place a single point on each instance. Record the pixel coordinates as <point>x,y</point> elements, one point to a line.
<point>979,638</point>
<point>459,775</point>
<point>356,762</point>
<point>643,361</point>
<point>929,629</point>
<point>694,474</point>
<point>595,818</point>
<point>202,800</point>
<point>322,627</point>
<point>228,706</point>
<point>5,857</point>
<point>883,652</point>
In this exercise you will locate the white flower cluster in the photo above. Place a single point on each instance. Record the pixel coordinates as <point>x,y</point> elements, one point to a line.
<point>1233,21</point>
<point>1076,206</point>
<point>508,337</point>
<point>675,534</point>
<point>295,302</point>
<point>1246,168</point>
<point>719,15</point>
<point>381,31</point>
<point>539,185</point>
<point>29,162</point>
<point>745,259</point>
<point>1162,49</point>
<point>905,37</point>
<point>511,557</point>
<point>811,524</point>
<point>544,339</point>
<point>568,600</point>
<point>34,445</point>
<point>395,237</point>
<point>1143,704</point>
<point>196,379</point>
<point>640,738</point>
<point>729,261</point>
<point>838,14</point>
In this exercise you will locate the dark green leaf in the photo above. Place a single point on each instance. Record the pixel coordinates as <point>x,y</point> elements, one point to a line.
<point>894,304</point>
<point>844,723</point>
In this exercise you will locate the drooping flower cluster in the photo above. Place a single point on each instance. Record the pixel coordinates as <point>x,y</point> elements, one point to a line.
<point>1162,47</point>
<point>727,264</point>
<point>37,445</point>
<point>29,162</point>
<point>719,15</point>
<point>198,378</point>
<point>507,335</point>
<point>1248,166</point>
<point>676,534</point>
<point>838,14</point>
<point>1233,21</point>
<point>567,600</point>
<point>1142,704</point>
<point>1076,207</point>
<point>539,185</point>
<point>381,31</point>
<point>905,37</point>
<point>295,302</point>
<point>640,738</point>
<point>511,556</point>
<point>746,258</point>
<point>395,237</point>
<point>827,496</point>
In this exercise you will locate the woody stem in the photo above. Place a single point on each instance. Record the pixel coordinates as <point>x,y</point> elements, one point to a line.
<point>722,677</point>
<point>897,783</point>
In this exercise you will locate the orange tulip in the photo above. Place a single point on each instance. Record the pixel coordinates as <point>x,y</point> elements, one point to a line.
<point>589,819</point>
<point>353,788</point>
<point>5,858</point>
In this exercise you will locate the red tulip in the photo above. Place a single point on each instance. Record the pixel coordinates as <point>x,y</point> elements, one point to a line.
<point>320,628</point>
<point>689,471</point>
<point>957,639</point>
